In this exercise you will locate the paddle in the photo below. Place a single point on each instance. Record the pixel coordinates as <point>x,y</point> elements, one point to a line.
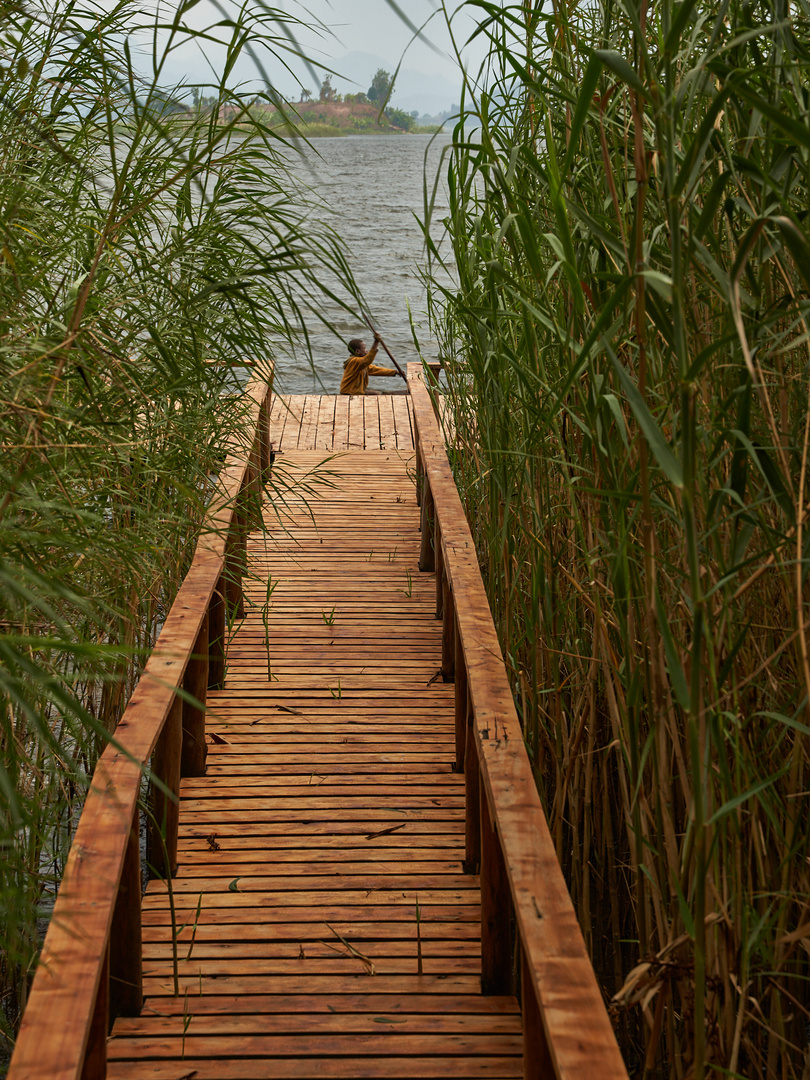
<point>388,351</point>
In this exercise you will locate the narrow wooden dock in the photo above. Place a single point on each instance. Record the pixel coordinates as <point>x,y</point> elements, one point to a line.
<point>365,762</point>
<point>328,928</point>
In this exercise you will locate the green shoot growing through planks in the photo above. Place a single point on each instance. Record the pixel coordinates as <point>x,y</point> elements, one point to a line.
<point>194,927</point>
<point>392,555</point>
<point>409,590</point>
<point>271,587</point>
<point>336,693</point>
<point>329,619</point>
<point>187,1018</point>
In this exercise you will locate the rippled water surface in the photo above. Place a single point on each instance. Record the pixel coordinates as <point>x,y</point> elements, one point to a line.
<point>373,186</point>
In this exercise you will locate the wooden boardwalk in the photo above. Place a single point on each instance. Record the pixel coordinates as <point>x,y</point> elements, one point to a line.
<point>328,929</point>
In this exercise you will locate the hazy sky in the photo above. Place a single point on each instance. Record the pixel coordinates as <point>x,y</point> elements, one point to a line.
<point>349,27</point>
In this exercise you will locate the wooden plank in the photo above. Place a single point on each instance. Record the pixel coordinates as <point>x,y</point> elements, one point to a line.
<point>388,428</point>
<point>340,438</point>
<point>238,953</point>
<point>237,935</point>
<point>294,407</point>
<point>326,422</point>
<point>371,416</point>
<point>356,439</point>
<point>331,1068</point>
<point>307,436</point>
<point>301,997</point>
<point>278,418</point>
<point>416,1023</point>
<point>332,913</point>
<point>126,941</point>
<point>402,423</point>
<point>309,881</point>
<point>195,683</point>
<point>376,1044</point>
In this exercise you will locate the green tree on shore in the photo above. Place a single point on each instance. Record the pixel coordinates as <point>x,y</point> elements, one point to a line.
<point>381,87</point>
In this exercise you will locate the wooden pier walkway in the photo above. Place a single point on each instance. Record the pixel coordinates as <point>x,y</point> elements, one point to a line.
<point>327,836</point>
<point>355,876</point>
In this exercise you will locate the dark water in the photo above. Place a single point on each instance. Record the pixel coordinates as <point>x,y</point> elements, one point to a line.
<point>373,186</point>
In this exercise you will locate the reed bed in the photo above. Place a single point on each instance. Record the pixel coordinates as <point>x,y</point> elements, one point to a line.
<point>627,366</point>
<point>147,246</point>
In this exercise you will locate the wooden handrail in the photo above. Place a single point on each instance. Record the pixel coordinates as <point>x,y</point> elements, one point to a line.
<point>567,1031</point>
<point>90,966</point>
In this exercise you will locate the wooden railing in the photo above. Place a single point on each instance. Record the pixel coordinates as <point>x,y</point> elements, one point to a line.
<point>90,969</point>
<point>567,1032</point>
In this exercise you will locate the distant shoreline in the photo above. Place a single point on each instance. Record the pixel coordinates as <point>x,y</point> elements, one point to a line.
<point>329,131</point>
<point>327,119</point>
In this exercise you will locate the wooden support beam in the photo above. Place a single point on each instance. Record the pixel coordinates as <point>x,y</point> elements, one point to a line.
<point>448,631</point>
<point>420,469</point>
<point>126,947</point>
<point>462,695</point>
<point>242,525</point>
<point>472,789</point>
<point>496,909</point>
<point>195,683</point>
<point>216,637</point>
<point>427,554</point>
<point>264,438</point>
<point>234,564</point>
<point>537,1063</point>
<point>95,1055</point>
<point>254,486</point>
<point>165,809</point>
<point>439,556</point>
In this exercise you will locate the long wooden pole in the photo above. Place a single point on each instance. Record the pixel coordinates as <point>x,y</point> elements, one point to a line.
<point>369,324</point>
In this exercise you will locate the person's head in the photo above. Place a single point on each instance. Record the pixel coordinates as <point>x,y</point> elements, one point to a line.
<point>357,347</point>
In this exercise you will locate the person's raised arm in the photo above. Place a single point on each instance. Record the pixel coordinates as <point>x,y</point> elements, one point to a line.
<point>368,359</point>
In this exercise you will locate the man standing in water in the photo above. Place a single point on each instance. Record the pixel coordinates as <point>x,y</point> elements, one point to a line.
<point>360,365</point>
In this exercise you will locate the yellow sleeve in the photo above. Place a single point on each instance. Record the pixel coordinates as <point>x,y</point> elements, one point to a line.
<point>374,370</point>
<point>368,359</point>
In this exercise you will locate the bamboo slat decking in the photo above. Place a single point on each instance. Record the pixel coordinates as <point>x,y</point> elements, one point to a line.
<point>360,759</point>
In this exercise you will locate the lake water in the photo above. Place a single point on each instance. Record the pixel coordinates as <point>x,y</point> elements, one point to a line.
<point>373,186</point>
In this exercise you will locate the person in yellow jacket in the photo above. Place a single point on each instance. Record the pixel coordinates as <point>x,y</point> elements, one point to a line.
<point>360,365</point>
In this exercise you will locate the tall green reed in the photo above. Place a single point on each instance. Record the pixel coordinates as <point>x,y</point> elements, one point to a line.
<point>627,358</point>
<point>146,247</point>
